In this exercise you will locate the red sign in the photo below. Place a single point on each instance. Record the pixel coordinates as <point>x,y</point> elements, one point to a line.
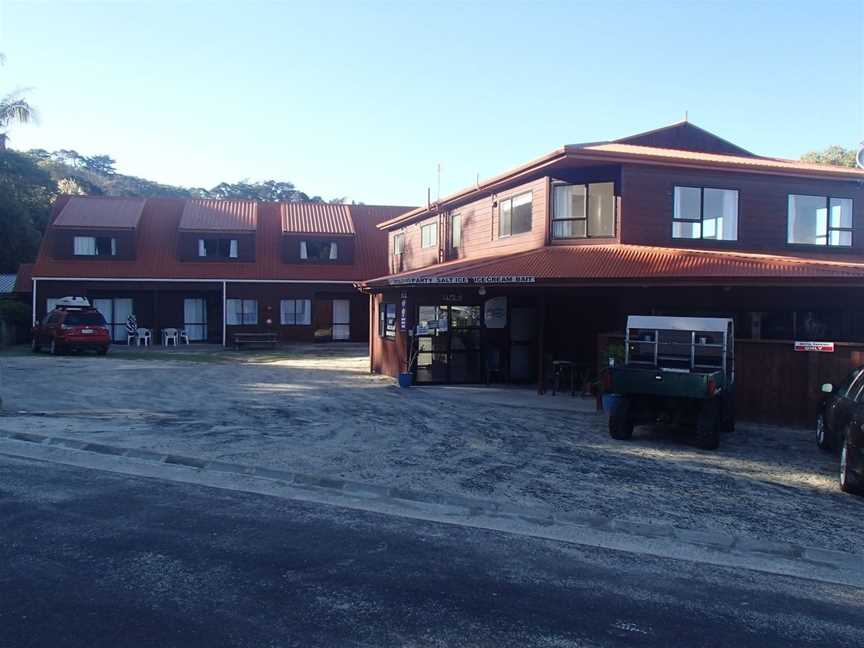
<point>821,347</point>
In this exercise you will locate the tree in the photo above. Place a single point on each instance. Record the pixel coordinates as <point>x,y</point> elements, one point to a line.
<point>14,109</point>
<point>103,164</point>
<point>834,155</point>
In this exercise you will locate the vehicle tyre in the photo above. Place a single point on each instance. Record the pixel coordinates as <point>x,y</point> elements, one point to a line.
<point>848,481</point>
<point>727,412</point>
<point>708,425</point>
<point>822,434</point>
<point>35,346</point>
<point>620,423</point>
<point>102,350</point>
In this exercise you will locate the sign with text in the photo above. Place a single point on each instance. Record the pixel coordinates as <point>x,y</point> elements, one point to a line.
<point>821,347</point>
<point>481,280</point>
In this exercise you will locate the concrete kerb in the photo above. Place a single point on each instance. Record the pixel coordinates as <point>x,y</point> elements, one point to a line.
<point>457,506</point>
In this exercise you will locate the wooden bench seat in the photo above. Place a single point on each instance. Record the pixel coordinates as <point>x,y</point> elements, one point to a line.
<point>251,339</point>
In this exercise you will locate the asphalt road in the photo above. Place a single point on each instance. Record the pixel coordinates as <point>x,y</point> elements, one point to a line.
<point>93,559</point>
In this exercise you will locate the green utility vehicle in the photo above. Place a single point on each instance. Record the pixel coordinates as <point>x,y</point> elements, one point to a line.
<point>677,370</point>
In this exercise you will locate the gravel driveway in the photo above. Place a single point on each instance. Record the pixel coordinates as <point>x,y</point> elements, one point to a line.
<point>317,410</point>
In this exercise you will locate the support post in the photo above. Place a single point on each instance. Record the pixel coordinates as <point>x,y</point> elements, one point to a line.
<point>33,305</point>
<point>372,333</point>
<point>224,315</point>
<point>541,314</point>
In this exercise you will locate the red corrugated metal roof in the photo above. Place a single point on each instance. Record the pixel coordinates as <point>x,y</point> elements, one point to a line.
<point>219,216</point>
<point>630,263</point>
<point>316,218</point>
<point>156,250</point>
<point>113,213</point>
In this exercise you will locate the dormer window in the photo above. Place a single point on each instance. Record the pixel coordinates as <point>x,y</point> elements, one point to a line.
<point>218,248</point>
<point>101,246</point>
<point>398,244</point>
<point>319,250</point>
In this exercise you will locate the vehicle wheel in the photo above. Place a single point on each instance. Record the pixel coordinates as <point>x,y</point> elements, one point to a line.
<point>848,481</point>
<point>620,423</point>
<point>727,413</point>
<point>708,426</point>
<point>35,346</point>
<point>822,433</point>
<point>102,350</point>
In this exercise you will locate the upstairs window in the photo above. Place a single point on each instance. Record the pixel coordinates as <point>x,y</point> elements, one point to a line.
<point>218,248</point>
<point>455,231</point>
<point>514,215</point>
<point>387,321</point>
<point>820,220</point>
<point>429,235</point>
<point>296,312</point>
<point>398,244</point>
<point>94,246</point>
<point>705,213</point>
<point>319,250</point>
<point>583,211</point>
<point>241,312</point>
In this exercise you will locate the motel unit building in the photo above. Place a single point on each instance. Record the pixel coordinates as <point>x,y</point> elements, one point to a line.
<point>214,268</point>
<point>544,263</point>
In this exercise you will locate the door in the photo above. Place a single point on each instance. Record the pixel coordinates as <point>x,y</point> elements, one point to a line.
<point>341,319</point>
<point>195,318</point>
<point>116,312</point>
<point>523,333</point>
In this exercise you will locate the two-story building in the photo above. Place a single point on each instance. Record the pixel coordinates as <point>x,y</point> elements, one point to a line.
<point>545,261</point>
<point>215,268</point>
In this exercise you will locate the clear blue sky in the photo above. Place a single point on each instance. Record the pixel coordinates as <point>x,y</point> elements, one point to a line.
<point>363,99</point>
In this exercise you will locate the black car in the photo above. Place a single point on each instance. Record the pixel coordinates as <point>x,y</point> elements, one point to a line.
<point>840,427</point>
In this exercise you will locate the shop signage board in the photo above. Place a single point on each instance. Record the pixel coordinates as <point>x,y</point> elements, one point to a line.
<point>819,347</point>
<point>478,280</point>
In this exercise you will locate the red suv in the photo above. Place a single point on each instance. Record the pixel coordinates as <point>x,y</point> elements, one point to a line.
<point>73,324</point>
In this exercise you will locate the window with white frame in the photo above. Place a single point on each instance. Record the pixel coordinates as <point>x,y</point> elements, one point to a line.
<point>455,231</point>
<point>319,250</point>
<point>398,244</point>
<point>429,235</point>
<point>241,312</point>
<point>218,248</point>
<point>94,246</point>
<point>296,312</point>
<point>514,215</point>
<point>583,211</point>
<point>705,213</point>
<point>819,220</point>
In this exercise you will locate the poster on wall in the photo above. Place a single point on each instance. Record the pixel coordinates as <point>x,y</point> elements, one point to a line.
<point>495,312</point>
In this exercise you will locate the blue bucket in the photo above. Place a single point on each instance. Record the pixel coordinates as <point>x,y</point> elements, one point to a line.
<point>405,379</point>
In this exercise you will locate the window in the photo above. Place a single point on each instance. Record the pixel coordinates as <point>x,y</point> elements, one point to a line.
<point>583,211</point>
<point>94,246</point>
<point>456,231</point>
<point>820,220</point>
<point>241,312</point>
<point>319,250</point>
<point>296,312</point>
<point>429,235</point>
<point>218,248</point>
<point>705,213</point>
<point>514,215</point>
<point>398,244</point>
<point>387,321</point>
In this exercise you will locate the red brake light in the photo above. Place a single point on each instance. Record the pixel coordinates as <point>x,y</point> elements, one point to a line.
<point>712,387</point>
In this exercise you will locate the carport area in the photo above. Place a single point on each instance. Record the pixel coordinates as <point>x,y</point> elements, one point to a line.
<point>315,409</point>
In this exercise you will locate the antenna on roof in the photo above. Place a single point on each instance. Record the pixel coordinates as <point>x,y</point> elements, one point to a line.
<point>477,180</point>
<point>685,116</point>
<point>439,183</point>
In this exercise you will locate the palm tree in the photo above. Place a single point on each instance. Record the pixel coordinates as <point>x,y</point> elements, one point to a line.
<point>14,109</point>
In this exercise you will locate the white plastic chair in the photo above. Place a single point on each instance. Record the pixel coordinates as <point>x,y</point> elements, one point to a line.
<point>131,338</point>
<point>144,337</point>
<point>170,335</point>
<point>184,337</point>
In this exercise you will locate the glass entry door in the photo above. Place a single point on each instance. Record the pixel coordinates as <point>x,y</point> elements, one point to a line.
<point>195,318</point>
<point>341,319</point>
<point>449,348</point>
<point>115,311</point>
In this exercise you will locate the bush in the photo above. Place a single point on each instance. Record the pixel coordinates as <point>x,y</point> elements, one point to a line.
<point>13,312</point>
